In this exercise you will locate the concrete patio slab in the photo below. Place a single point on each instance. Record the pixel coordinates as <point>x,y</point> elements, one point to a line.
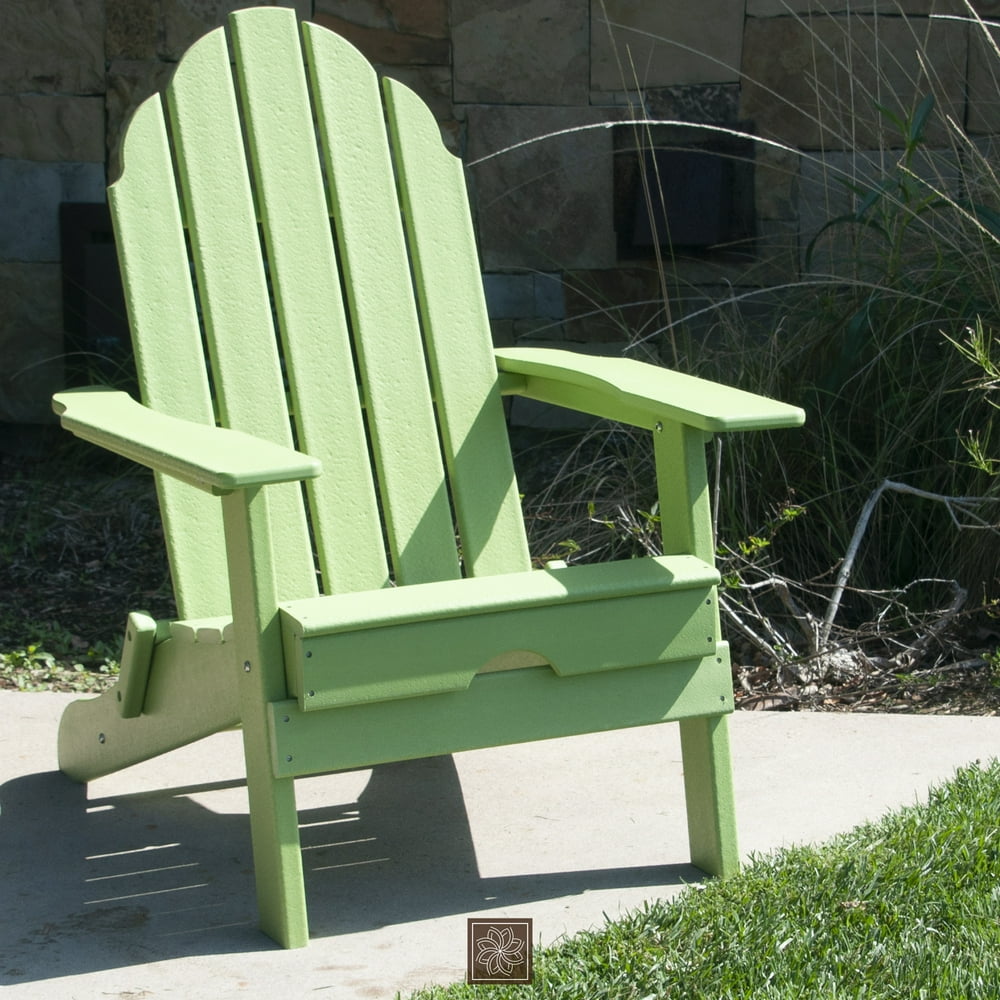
<point>141,884</point>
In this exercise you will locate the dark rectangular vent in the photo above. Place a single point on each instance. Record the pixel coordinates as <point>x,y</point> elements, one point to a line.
<point>98,345</point>
<point>697,198</point>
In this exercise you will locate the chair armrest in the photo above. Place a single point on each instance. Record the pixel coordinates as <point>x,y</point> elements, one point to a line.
<point>635,392</point>
<point>214,459</point>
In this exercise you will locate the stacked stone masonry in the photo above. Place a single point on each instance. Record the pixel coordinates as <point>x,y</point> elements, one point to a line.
<point>535,95</point>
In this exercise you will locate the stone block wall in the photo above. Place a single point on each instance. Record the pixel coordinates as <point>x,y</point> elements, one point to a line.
<point>51,150</point>
<point>528,92</point>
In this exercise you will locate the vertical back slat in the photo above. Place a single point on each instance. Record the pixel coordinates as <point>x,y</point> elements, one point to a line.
<point>168,352</point>
<point>384,320</point>
<point>231,281</point>
<point>457,337</point>
<point>319,364</point>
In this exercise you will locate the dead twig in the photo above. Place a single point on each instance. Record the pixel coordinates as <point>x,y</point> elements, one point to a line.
<point>975,663</point>
<point>769,650</point>
<point>962,505</point>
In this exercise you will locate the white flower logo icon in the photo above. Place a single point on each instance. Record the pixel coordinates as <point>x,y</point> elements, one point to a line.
<point>499,951</point>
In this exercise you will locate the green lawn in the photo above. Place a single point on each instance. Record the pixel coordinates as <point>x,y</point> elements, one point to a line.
<point>907,907</point>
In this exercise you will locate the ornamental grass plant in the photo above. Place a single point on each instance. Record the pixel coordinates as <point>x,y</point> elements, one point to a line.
<point>897,269</point>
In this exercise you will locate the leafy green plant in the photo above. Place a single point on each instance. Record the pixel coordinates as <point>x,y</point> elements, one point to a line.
<point>981,349</point>
<point>35,668</point>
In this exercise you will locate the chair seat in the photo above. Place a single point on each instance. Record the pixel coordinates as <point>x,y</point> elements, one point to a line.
<point>432,638</point>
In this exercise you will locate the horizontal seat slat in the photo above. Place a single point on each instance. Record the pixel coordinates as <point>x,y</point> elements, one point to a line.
<point>513,707</point>
<point>479,595</point>
<point>429,639</point>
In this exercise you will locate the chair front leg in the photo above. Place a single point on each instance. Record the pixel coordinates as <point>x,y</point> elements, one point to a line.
<point>259,664</point>
<point>686,525</point>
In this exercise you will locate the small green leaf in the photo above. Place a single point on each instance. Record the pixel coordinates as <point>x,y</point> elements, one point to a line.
<point>919,120</point>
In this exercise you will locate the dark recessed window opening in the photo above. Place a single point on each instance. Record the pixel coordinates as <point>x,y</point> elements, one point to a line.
<point>695,197</point>
<point>96,328</point>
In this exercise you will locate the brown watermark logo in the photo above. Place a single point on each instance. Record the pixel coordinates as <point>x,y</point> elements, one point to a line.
<point>499,951</point>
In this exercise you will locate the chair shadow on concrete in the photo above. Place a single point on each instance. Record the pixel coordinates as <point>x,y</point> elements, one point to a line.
<point>104,883</point>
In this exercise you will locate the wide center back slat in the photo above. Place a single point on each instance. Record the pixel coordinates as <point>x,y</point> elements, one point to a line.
<point>308,301</point>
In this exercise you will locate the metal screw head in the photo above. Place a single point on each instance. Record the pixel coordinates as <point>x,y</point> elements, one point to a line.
<point>659,425</point>
<point>246,666</point>
<point>101,738</point>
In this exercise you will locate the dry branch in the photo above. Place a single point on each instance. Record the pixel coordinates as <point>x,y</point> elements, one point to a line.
<point>963,505</point>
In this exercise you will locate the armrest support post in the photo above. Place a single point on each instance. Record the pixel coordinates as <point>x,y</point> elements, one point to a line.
<point>682,488</point>
<point>260,672</point>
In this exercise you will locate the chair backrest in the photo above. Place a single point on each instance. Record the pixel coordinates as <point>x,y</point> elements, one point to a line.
<point>365,343</point>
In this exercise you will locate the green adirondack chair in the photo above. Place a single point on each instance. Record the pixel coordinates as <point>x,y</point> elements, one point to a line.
<point>387,609</point>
